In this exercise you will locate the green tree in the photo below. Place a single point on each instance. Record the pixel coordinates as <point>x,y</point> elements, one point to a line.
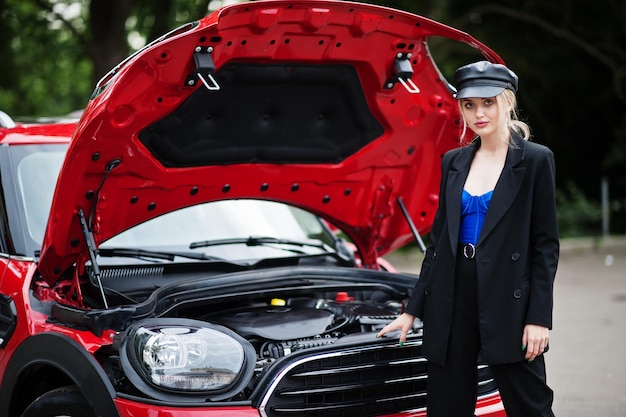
<point>53,52</point>
<point>571,60</point>
<point>44,70</point>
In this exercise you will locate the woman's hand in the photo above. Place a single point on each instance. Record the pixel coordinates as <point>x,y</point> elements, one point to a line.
<point>535,341</point>
<point>404,323</point>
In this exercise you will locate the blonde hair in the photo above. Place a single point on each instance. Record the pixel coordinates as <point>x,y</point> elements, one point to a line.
<point>507,106</point>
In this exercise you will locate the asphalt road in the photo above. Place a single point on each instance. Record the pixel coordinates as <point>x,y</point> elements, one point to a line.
<point>587,360</point>
<point>586,364</point>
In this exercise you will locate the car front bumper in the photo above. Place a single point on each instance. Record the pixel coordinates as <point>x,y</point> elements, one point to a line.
<point>487,406</point>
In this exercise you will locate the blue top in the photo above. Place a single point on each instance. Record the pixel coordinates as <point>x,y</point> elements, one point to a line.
<point>473,211</point>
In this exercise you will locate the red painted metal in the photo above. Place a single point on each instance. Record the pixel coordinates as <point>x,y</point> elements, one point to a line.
<point>402,162</point>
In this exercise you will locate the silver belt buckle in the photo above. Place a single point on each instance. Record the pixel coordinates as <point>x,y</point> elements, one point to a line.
<point>469,247</point>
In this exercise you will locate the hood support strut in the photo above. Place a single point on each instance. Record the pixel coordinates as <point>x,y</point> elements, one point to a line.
<point>93,252</point>
<point>416,234</point>
<point>88,233</point>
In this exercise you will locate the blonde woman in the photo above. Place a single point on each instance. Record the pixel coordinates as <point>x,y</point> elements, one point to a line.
<point>486,282</point>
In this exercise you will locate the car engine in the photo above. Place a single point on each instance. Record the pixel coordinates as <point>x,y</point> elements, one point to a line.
<point>284,326</point>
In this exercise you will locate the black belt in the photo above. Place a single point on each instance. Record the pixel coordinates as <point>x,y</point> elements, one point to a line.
<point>468,250</point>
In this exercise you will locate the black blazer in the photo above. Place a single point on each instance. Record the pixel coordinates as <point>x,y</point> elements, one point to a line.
<point>516,255</point>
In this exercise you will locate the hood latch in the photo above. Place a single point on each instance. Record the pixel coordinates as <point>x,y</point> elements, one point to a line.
<point>205,67</point>
<point>403,71</point>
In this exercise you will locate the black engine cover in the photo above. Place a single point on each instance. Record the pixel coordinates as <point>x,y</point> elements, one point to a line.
<point>276,323</point>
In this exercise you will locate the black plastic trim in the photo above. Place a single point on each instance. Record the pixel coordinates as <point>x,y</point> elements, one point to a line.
<point>8,319</point>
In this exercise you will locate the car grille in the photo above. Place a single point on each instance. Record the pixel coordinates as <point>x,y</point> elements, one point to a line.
<point>354,381</point>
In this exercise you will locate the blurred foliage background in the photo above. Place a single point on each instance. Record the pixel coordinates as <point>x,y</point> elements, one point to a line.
<point>570,56</point>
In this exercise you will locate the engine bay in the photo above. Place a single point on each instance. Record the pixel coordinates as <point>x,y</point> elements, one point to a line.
<point>285,325</point>
<point>278,312</point>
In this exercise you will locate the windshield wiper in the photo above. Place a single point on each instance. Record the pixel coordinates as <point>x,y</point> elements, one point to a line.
<point>143,253</point>
<point>262,241</point>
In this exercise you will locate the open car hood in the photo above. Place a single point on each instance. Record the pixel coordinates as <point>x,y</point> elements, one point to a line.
<point>332,106</point>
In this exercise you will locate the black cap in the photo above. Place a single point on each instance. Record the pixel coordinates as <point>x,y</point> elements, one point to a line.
<point>483,79</point>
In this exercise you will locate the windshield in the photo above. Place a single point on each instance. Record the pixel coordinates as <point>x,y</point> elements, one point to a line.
<point>29,173</point>
<point>36,178</point>
<point>224,227</point>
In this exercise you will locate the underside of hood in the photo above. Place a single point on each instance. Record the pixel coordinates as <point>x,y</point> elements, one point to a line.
<point>331,106</point>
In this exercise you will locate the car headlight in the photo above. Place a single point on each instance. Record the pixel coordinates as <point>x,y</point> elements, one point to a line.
<point>162,357</point>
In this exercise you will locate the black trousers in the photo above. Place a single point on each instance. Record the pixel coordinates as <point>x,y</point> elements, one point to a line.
<point>452,389</point>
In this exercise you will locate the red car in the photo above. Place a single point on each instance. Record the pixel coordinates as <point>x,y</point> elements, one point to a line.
<point>195,256</point>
